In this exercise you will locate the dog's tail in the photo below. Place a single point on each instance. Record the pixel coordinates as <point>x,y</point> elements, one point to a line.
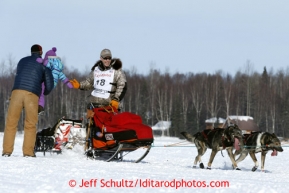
<point>188,136</point>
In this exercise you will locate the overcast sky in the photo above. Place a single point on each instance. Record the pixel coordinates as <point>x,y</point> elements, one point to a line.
<point>169,35</point>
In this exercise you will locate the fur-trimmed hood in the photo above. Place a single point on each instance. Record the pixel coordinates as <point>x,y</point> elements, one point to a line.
<point>115,64</point>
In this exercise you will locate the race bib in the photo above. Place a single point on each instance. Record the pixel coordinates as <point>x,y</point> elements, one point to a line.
<point>102,80</point>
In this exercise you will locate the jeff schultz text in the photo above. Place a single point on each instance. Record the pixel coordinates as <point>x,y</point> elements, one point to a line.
<point>148,183</point>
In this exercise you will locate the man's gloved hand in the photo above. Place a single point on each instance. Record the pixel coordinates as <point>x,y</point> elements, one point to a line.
<point>114,103</point>
<point>75,83</point>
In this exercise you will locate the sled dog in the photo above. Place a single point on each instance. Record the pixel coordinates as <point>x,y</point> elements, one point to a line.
<point>259,142</point>
<point>216,139</point>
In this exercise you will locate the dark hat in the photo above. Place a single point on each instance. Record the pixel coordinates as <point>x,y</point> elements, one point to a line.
<point>105,53</point>
<point>36,48</point>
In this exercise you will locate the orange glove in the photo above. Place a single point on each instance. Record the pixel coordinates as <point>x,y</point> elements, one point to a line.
<point>114,103</point>
<point>75,83</point>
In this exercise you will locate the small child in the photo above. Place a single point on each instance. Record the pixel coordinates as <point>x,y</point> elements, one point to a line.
<point>53,62</point>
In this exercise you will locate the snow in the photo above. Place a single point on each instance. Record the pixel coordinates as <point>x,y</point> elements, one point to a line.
<point>215,120</point>
<point>162,125</point>
<point>170,164</point>
<point>241,118</point>
<point>232,117</point>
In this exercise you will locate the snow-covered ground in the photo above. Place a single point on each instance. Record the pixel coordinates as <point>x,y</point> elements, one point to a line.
<point>165,169</point>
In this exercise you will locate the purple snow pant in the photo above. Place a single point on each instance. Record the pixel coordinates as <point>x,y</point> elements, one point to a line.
<point>41,101</point>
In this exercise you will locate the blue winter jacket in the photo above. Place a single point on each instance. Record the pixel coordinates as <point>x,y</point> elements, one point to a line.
<point>56,66</point>
<point>30,74</point>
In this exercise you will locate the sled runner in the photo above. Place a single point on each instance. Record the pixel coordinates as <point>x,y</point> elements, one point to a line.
<point>64,134</point>
<point>113,136</point>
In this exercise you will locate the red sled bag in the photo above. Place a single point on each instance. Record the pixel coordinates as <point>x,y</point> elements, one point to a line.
<point>124,119</point>
<point>143,132</point>
<point>109,116</point>
<point>110,121</point>
<point>103,115</point>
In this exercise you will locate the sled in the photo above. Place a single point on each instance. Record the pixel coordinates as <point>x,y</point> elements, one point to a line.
<point>66,133</point>
<point>114,136</point>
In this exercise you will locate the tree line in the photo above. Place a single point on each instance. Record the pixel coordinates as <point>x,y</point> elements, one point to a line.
<point>186,100</point>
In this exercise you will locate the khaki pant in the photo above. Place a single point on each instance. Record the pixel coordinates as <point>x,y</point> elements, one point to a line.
<point>21,99</point>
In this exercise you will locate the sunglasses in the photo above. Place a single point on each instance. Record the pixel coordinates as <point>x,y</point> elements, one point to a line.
<point>107,58</point>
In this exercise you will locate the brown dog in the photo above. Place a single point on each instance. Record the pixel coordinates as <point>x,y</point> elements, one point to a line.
<point>259,142</point>
<point>216,139</point>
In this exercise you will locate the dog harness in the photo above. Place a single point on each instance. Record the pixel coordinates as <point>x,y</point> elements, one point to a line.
<point>206,137</point>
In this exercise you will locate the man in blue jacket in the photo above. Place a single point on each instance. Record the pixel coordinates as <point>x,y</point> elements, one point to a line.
<point>25,95</point>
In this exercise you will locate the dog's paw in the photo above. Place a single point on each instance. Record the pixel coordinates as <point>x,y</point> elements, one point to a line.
<point>202,165</point>
<point>254,169</point>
